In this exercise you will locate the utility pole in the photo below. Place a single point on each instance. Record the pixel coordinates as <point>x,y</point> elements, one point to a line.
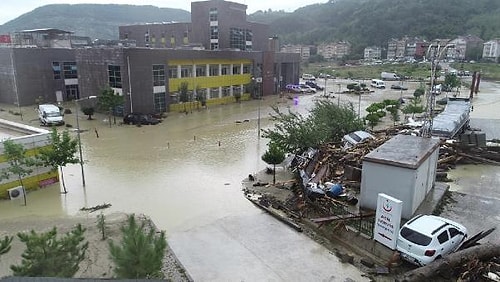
<point>435,51</point>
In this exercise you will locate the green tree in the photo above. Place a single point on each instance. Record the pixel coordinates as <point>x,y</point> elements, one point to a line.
<point>273,156</point>
<point>108,101</point>
<point>88,111</point>
<point>419,92</point>
<point>327,122</point>
<point>183,94</point>
<point>61,151</point>
<point>452,81</point>
<point>141,252</point>
<point>414,107</point>
<point>373,119</point>
<point>48,256</point>
<point>5,245</point>
<point>18,163</point>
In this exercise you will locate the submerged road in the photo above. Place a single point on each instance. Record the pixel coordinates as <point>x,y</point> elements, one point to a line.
<point>186,174</point>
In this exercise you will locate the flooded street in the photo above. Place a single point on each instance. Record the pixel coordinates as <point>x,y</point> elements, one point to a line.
<point>186,174</point>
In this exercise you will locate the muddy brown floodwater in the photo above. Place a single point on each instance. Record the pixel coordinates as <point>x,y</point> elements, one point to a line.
<point>186,174</point>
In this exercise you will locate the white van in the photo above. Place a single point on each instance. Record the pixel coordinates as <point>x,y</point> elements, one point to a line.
<point>50,114</point>
<point>307,76</point>
<point>377,83</point>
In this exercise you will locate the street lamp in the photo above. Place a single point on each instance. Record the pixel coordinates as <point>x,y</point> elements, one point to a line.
<point>78,134</point>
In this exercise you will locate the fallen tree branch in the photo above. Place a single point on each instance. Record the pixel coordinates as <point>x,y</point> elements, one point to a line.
<point>450,262</point>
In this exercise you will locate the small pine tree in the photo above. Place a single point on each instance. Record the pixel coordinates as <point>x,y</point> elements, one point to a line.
<point>101,225</point>
<point>5,245</point>
<point>274,155</point>
<point>48,256</point>
<point>141,252</point>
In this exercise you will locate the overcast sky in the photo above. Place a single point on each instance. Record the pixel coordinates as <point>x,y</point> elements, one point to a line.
<point>11,9</point>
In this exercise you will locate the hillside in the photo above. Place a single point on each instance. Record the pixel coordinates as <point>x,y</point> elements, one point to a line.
<point>373,22</point>
<point>94,20</point>
<point>362,22</point>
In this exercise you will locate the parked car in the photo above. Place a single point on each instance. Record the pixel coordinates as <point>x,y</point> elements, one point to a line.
<point>307,76</point>
<point>426,238</point>
<point>314,85</point>
<point>398,87</point>
<point>293,88</point>
<point>377,83</point>
<point>306,88</point>
<point>140,118</point>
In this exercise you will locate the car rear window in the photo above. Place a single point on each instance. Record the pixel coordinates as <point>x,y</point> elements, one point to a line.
<point>415,237</point>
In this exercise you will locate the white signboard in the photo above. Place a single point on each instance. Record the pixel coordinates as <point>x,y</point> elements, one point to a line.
<point>387,220</point>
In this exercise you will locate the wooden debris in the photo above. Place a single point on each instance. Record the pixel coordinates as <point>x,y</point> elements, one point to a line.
<point>96,208</point>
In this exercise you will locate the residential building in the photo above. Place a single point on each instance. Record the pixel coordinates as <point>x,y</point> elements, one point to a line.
<point>335,50</point>
<point>304,51</point>
<point>148,67</point>
<point>464,47</point>
<point>491,50</point>
<point>372,53</point>
<point>396,48</point>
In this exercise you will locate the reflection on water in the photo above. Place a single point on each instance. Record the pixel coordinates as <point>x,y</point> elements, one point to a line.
<point>183,172</point>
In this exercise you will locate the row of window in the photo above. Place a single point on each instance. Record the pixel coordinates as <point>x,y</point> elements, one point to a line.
<point>115,77</point>
<point>68,70</point>
<point>208,70</point>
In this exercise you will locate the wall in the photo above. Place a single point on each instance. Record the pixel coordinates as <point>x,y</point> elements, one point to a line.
<point>34,139</point>
<point>394,181</point>
<point>34,73</point>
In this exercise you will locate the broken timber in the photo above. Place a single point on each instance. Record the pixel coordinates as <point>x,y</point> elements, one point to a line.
<point>341,217</point>
<point>274,213</point>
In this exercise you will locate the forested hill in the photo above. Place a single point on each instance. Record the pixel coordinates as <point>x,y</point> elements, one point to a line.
<point>361,22</point>
<point>373,22</point>
<point>94,20</point>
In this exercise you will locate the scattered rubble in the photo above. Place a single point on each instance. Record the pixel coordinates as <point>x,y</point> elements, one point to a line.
<point>332,163</point>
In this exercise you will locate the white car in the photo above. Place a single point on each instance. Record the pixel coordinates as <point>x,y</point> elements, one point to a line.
<point>355,137</point>
<point>426,238</point>
<point>306,88</point>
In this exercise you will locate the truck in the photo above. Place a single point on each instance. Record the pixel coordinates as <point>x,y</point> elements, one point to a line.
<point>389,76</point>
<point>49,114</point>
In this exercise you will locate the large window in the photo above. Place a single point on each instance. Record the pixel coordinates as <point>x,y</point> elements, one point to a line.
<point>214,32</point>
<point>201,70</point>
<point>71,92</point>
<point>172,72</point>
<point>186,71</point>
<point>115,76</point>
<point>160,102</point>
<point>214,93</point>
<point>214,70</point>
<point>247,69</point>
<point>240,38</point>
<point>236,69</point>
<point>237,38</point>
<point>213,14</point>
<point>69,70</point>
<point>56,69</point>
<point>225,70</point>
<point>158,75</point>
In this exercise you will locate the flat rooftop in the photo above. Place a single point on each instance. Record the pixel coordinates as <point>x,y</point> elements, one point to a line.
<point>404,151</point>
